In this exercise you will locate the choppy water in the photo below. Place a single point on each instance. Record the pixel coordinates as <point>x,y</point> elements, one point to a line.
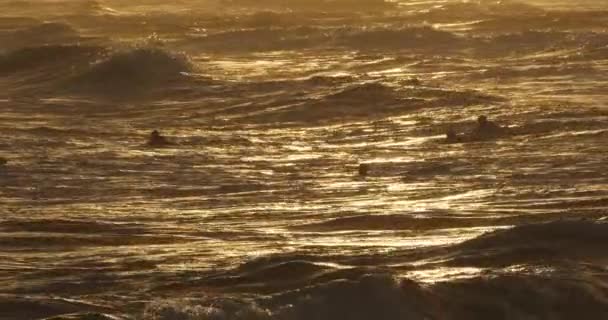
<point>257,211</point>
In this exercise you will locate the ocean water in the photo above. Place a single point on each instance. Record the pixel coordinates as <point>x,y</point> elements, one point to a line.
<point>257,210</point>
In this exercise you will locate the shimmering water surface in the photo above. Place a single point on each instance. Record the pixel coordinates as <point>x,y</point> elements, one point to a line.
<point>257,210</point>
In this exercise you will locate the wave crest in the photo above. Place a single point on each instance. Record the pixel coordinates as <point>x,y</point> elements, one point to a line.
<point>133,72</point>
<point>209,309</point>
<point>558,234</point>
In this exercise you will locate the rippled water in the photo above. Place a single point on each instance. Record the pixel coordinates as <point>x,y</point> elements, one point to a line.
<point>257,210</point>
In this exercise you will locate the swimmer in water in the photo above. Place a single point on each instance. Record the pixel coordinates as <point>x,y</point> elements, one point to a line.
<point>486,129</point>
<point>363,169</point>
<point>414,82</point>
<point>157,140</point>
<point>452,137</point>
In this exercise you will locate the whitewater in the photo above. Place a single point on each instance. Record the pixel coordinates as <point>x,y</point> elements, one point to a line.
<point>257,208</point>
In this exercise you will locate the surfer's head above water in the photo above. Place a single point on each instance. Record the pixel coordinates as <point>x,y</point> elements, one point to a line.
<point>484,123</point>
<point>363,169</point>
<point>482,120</point>
<point>451,135</point>
<point>156,139</point>
<point>487,129</point>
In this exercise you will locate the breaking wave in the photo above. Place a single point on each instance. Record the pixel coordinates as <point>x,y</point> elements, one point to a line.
<point>133,72</point>
<point>304,289</point>
<point>98,71</point>
<point>382,296</point>
<point>256,211</point>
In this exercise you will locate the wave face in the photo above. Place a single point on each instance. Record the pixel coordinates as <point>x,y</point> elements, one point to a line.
<point>96,71</point>
<point>381,296</point>
<point>314,160</point>
<point>131,72</point>
<point>367,293</point>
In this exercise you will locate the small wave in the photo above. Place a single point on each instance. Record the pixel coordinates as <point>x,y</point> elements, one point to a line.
<point>10,24</point>
<point>531,37</point>
<point>380,295</point>
<point>271,275</point>
<point>354,101</point>
<point>563,126</point>
<point>364,93</point>
<point>275,38</point>
<point>29,58</point>
<point>313,290</point>
<point>50,33</point>
<point>94,7</point>
<point>317,5</point>
<point>132,73</point>
<point>475,10</point>
<point>536,19</point>
<point>86,316</point>
<point>38,307</point>
<point>62,242</point>
<point>361,100</point>
<point>561,235</point>
<point>266,19</point>
<point>528,41</point>
<point>69,226</point>
<point>551,296</point>
<point>374,296</point>
<point>262,39</point>
<point>330,80</point>
<point>50,131</point>
<point>49,29</point>
<point>86,7</point>
<point>594,52</point>
<point>534,243</point>
<point>430,97</point>
<point>409,38</point>
<point>64,233</point>
<point>390,222</point>
<point>505,73</point>
<point>541,243</point>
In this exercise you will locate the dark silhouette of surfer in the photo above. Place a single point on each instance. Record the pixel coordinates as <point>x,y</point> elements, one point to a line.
<point>414,82</point>
<point>363,169</point>
<point>157,140</point>
<point>452,137</point>
<point>484,130</point>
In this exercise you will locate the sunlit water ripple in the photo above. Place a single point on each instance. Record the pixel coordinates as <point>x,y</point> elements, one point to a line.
<point>259,198</point>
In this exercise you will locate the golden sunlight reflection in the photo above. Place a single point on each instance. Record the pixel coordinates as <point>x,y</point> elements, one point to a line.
<point>444,274</point>
<point>303,159</point>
